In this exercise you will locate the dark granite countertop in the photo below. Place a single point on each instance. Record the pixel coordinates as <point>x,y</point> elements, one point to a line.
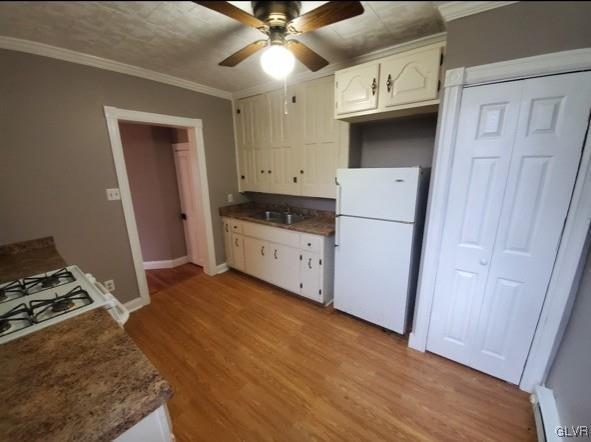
<point>318,222</point>
<point>28,258</point>
<point>81,379</point>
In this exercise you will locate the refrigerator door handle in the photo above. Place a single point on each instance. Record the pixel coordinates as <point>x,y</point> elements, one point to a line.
<point>338,203</point>
<point>337,231</point>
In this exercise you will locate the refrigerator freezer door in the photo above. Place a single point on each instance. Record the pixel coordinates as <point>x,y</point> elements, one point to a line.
<point>372,266</point>
<point>388,194</point>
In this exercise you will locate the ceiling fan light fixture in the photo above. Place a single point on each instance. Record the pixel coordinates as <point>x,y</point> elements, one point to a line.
<point>277,61</point>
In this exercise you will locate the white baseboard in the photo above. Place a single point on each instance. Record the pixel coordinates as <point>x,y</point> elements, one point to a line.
<point>166,264</point>
<point>134,304</point>
<point>545,414</point>
<point>223,267</point>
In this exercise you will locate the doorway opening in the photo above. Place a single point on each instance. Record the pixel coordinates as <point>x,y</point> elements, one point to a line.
<point>162,176</point>
<point>157,160</point>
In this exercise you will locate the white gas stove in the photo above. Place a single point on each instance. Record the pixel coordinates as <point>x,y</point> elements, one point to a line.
<point>31,304</point>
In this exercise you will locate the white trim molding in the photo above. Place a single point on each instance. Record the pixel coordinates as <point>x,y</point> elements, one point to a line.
<point>545,414</point>
<point>33,47</point>
<point>199,171</point>
<point>333,67</point>
<point>135,304</point>
<point>223,267</point>
<point>166,263</point>
<point>454,10</point>
<point>554,315</point>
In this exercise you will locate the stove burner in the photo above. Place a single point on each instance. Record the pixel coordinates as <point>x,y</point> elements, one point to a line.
<point>39,283</point>
<point>45,309</point>
<point>50,281</point>
<point>62,305</point>
<point>4,325</point>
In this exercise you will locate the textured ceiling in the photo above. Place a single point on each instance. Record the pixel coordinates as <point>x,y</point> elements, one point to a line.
<point>187,41</point>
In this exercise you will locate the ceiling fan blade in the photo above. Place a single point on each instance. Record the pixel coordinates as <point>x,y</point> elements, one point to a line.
<point>327,14</point>
<point>243,53</point>
<point>234,12</point>
<point>307,56</point>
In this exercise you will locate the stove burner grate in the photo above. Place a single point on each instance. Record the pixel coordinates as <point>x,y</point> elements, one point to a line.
<point>17,314</point>
<point>44,309</point>
<point>47,281</point>
<point>12,290</point>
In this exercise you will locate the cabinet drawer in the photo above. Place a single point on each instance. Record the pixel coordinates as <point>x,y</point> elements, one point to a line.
<point>236,226</point>
<point>310,243</point>
<point>272,234</point>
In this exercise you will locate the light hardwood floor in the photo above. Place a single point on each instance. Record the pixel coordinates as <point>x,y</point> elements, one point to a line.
<point>160,279</point>
<point>249,362</point>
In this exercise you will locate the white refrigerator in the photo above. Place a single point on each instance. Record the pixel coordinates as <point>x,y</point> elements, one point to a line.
<point>378,236</point>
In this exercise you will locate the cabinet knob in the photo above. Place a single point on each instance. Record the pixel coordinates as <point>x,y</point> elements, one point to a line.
<point>263,251</point>
<point>262,171</point>
<point>236,242</point>
<point>374,86</point>
<point>268,171</point>
<point>309,244</point>
<point>389,83</point>
<point>309,263</point>
<point>242,177</point>
<point>302,172</point>
<point>275,253</point>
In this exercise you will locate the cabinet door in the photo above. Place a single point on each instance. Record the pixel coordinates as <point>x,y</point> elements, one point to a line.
<point>228,246</point>
<point>321,137</point>
<point>357,89</point>
<point>262,155</point>
<point>285,260</point>
<point>238,252</point>
<point>410,78</point>
<point>256,257</point>
<point>245,128</point>
<point>311,276</point>
<point>284,136</point>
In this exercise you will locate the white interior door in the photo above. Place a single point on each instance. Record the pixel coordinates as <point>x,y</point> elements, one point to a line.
<point>189,198</point>
<point>517,154</point>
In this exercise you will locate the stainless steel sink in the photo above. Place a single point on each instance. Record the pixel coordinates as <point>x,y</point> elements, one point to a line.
<point>279,218</point>
<point>268,216</point>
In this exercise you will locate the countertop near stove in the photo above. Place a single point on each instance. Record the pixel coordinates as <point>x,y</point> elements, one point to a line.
<point>28,258</point>
<point>318,222</point>
<point>83,378</point>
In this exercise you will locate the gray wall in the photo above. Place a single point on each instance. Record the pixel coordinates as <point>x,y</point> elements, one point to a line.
<point>398,143</point>
<point>520,30</point>
<point>294,201</point>
<point>151,171</point>
<point>570,375</point>
<point>56,160</point>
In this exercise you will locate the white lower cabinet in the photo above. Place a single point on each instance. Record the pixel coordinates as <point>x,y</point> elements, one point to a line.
<point>311,276</point>
<point>298,262</point>
<point>237,246</point>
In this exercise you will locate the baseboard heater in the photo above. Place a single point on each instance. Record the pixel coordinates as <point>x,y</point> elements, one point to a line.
<point>545,413</point>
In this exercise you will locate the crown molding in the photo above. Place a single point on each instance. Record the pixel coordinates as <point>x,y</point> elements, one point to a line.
<point>333,67</point>
<point>454,10</point>
<point>32,47</point>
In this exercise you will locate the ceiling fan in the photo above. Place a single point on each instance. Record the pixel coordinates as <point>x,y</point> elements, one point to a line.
<point>280,21</point>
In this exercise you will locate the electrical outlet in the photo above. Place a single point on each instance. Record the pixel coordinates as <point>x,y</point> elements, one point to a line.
<point>109,285</point>
<point>230,197</point>
<point>113,194</point>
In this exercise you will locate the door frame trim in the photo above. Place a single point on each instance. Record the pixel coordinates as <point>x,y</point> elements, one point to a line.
<point>113,116</point>
<point>561,289</point>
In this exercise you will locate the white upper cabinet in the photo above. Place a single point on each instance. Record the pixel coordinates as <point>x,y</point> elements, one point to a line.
<point>402,84</point>
<point>290,143</point>
<point>410,79</point>
<point>356,88</point>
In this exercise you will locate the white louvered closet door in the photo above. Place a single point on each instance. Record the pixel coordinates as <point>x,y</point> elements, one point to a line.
<point>517,154</point>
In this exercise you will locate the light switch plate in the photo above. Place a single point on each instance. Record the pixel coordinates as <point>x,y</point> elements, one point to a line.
<point>109,285</point>
<point>230,197</point>
<point>113,194</point>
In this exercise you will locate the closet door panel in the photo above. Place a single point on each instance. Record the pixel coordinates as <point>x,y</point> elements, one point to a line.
<point>548,147</point>
<point>486,131</point>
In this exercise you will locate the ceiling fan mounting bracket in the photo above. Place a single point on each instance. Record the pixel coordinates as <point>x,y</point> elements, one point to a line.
<point>276,14</point>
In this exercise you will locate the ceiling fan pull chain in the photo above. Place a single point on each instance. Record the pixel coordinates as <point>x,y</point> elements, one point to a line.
<point>285,112</point>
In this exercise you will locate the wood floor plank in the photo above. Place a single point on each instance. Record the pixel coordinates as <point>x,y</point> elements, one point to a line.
<point>250,362</point>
